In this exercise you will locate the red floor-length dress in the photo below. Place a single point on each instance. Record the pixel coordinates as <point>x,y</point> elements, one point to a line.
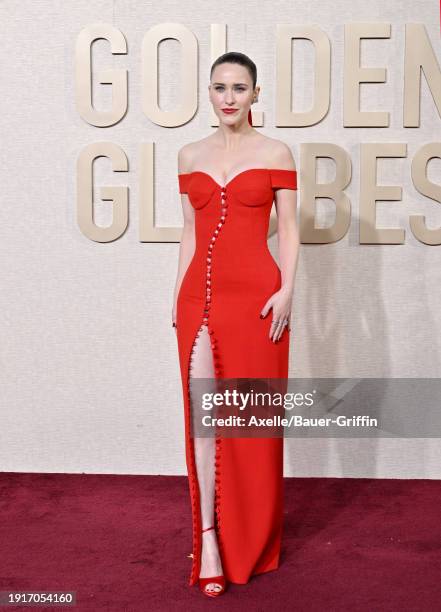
<point>230,278</point>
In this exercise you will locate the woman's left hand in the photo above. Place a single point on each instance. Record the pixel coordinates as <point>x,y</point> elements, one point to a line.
<point>281,303</point>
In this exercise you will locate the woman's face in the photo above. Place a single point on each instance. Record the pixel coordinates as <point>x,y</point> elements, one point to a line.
<point>231,87</point>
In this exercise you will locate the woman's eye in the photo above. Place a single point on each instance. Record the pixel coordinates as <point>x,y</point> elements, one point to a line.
<point>237,88</point>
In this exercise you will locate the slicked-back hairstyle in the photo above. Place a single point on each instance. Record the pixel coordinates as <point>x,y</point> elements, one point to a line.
<point>235,57</point>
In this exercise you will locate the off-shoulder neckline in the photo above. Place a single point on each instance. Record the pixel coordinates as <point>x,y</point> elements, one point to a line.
<point>236,175</point>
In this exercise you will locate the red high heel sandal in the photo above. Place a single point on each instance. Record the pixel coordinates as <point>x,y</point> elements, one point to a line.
<point>218,580</point>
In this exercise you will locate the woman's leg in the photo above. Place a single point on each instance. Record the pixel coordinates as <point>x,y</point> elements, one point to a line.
<point>211,565</point>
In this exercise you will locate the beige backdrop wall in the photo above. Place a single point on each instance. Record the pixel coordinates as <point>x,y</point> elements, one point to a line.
<point>89,364</point>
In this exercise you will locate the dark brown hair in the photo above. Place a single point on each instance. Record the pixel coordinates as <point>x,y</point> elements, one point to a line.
<point>235,57</point>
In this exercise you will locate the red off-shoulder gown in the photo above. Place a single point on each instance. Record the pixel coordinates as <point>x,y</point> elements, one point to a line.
<point>230,278</point>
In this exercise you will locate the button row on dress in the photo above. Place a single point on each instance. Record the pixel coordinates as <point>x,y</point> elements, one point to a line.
<point>210,248</point>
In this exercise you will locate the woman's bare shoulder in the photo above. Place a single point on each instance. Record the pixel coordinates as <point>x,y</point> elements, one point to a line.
<point>189,152</point>
<point>279,154</point>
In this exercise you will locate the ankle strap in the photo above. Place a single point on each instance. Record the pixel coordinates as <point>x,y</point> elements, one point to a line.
<point>208,528</point>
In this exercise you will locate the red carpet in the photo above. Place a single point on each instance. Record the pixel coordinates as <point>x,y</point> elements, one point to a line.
<point>121,542</point>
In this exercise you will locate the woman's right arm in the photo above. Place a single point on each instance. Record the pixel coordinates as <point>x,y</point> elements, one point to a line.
<point>188,243</point>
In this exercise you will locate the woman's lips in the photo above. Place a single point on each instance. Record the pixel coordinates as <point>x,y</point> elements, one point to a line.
<point>229,111</point>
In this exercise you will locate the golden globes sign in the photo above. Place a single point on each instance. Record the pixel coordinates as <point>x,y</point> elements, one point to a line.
<point>419,58</point>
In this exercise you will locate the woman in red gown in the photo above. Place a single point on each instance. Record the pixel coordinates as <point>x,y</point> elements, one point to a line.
<point>232,306</point>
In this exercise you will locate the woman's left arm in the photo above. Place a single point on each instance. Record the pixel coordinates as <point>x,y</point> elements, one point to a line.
<point>288,244</point>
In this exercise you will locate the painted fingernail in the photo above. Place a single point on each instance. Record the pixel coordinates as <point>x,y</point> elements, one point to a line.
<point>261,316</point>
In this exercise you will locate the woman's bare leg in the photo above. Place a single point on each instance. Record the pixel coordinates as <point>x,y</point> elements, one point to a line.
<point>211,565</point>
